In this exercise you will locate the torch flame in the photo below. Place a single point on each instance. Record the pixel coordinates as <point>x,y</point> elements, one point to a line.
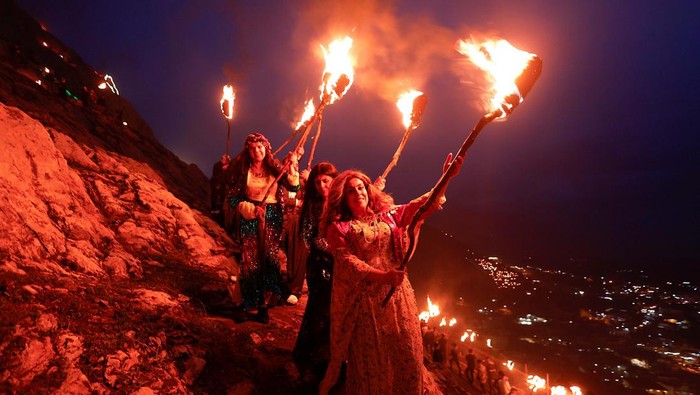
<point>338,64</point>
<point>308,113</point>
<point>452,322</point>
<point>509,364</point>
<point>503,64</point>
<point>227,101</point>
<point>443,322</point>
<point>576,390</point>
<point>558,390</point>
<point>535,382</point>
<point>405,105</point>
<point>433,311</point>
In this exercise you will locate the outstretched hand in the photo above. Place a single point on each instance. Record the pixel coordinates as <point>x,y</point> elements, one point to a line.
<point>380,183</point>
<point>452,168</point>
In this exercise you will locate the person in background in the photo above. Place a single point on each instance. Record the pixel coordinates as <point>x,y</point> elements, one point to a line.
<point>312,347</point>
<point>503,383</point>
<point>471,365</point>
<point>252,174</point>
<point>367,234</point>
<point>454,357</point>
<point>295,248</point>
<point>218,189</point>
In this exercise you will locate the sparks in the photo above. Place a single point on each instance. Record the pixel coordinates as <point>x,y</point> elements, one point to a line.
<point>503,64</point>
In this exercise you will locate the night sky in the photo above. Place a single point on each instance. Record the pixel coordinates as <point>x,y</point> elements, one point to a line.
<point>600,163</point>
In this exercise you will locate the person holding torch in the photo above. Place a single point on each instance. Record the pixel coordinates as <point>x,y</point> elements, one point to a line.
<point>366,234</point>
<point>253,173</point>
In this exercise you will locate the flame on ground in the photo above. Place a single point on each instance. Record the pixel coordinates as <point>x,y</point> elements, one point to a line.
<point>405,105</point>
<point>503,64</point>
<point>338,63</point>
<point>536,383</point>
<point>433,311</point>
<point>227,100</point>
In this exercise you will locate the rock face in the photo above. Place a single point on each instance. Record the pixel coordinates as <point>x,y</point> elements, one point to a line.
<point>112,278</point>
<point>109,270</point>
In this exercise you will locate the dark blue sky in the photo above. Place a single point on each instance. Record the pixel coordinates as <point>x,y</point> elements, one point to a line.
<point>599,163</point>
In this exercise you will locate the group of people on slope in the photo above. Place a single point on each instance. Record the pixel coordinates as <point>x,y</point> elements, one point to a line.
<point>356,238</point>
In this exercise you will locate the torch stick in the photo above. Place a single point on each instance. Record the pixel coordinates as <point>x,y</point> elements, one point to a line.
<point>395,158</point>
<point>524,83</point>
<point>289,140</point>
<point>227,110</point>
<point>316,137</point>
<point>417,110</point>
<point>339,89</point>
<point>228,137</point>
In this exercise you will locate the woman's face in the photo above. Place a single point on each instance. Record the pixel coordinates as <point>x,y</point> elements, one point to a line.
<point>322,182</point>
<point>256,152</point>
<point>356,197</point>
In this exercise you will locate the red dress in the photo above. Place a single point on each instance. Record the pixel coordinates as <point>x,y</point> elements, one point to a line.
<point>382,345</point>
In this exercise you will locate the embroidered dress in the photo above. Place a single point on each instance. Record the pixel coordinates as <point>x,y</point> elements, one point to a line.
<point>382,345</point>
<point>258,276</point>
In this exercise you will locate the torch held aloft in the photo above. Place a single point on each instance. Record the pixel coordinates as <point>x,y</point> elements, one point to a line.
<point>438,191</point>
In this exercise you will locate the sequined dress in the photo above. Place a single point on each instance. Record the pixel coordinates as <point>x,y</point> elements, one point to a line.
<point>382,345</point>
<point>258,276</point>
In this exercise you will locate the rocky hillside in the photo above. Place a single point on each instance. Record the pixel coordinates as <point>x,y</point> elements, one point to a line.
<point>112,278</point>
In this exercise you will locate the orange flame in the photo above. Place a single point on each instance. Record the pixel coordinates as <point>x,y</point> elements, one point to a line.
<point>503,63</point>
<point>452,322</point>
<point>443,322</point>
<point>464,337</point>
<point>433,311</point>
<point>558,390</point>
<point>227,100</point>
<point>308,113</point>
<point>576,390</point>
<point>338,63</point>
<point>509,364</point>
<point>405,105</point>
<point>535,382</point>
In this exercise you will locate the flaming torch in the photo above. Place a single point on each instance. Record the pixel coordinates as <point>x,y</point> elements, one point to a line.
<point>227,110</point>
<point>337,79</point>
<point>513,73</point>
<point>412,105</point>
<point>309,112</point>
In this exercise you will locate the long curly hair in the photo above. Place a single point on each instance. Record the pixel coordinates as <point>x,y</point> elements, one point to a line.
<point>240,164</point>
<point>337,209</point>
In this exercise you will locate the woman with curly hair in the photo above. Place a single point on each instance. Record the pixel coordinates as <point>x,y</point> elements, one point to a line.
<point>367,235</point>
<point>250,174</point>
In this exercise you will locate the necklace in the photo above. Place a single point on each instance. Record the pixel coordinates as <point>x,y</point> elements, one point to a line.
<point>258,174</point>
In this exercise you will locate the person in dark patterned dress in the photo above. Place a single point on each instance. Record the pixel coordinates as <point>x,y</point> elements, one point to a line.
<point>252,173</point>
<point>312,347</point>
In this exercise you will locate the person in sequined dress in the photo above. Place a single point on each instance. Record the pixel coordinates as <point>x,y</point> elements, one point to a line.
<point>367,234</point>
<point>311,351</point>
<point>252,173</point>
